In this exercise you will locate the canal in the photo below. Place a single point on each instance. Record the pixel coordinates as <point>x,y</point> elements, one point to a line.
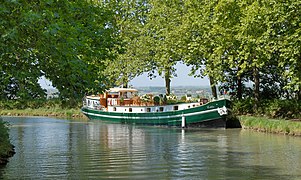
<point>48,148</point>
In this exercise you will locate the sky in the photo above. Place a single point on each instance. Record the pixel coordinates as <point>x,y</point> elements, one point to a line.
<point>182,79</point>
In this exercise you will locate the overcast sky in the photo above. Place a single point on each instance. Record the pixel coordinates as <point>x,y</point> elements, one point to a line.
<point>182,79</point>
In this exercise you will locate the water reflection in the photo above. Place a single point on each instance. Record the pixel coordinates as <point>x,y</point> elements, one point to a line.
<point>62,149</point>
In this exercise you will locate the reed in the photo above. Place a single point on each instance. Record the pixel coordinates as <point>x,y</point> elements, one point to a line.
<point>263,124</point>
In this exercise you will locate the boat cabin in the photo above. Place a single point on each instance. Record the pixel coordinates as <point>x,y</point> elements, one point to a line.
<point>111,97</point>
<point>127,100</point>
<point>120,96</point>
<point>92,102</point>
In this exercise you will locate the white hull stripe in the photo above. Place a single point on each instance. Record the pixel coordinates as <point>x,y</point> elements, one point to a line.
<point>157,117</point>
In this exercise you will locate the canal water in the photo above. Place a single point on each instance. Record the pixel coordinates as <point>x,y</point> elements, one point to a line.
<point>49,148</point>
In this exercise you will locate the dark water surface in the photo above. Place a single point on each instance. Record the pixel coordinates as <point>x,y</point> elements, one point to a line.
<point>61,149</point>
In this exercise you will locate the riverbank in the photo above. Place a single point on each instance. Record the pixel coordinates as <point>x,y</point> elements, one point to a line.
<point>6,148</point>
<point>279,126</point>
<point>48,112</point>
<point>262,124</point>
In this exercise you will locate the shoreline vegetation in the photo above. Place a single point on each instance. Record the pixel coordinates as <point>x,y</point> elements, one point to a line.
<point>63,113</point>
<point>47,108</point>
<point>6,148</point>
<point>281,118</point>
<point>256,123</point>
<point>268,125</point>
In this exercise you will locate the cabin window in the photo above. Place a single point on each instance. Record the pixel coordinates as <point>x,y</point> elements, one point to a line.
<point>130,110</point>
<point>148,109</point>
<point>175,108</point>
<point>114,108</point>
<point>161,109</point>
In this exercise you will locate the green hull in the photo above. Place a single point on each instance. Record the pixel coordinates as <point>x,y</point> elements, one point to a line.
<point>205,115</point>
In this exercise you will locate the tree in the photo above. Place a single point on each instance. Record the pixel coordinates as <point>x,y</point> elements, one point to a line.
<point>209,27</point>
<point>161,38</point>
<point>20,68</point>
<point>80,37</point>
<point>286,32</point>
<point>129,61</point>
<point>65,41</point>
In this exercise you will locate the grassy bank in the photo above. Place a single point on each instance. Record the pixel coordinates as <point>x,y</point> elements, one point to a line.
<point>280,126</point>
<point>51,112</point>
<point>51,107</point>
<point>6,149</point>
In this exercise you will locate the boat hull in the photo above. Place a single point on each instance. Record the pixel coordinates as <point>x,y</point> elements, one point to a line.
<point>208,115</point>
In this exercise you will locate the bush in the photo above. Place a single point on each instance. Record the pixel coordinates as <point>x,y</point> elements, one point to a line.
<point>243,107</point>
<point>40,103</point>
<point>275,108</point>
<point>282,109</point>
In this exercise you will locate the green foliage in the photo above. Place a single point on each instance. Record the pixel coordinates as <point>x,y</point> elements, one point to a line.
<point>19,69</point>
<point>282,109</point>
<point>65,41</point>
<point>41,103</point>
<point>80,36</point>
<point>157,100</point>
<point>183,98</point>
<point>227,40</point>
<point>275,108</point>
<point>86,46</point>
<point>271,125</point>
<point>130,59</point>
<point>145,98</point>
<point>5,145</point>
<point>243,107</point>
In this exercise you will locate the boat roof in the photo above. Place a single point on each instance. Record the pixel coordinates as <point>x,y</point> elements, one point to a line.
<point>93,97</point>
<point>122,90</point>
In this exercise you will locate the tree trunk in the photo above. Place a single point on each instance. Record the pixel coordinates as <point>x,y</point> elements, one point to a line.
<point>125,85</point>
<point>256,88</point>
<point>298,95</point>
<point>167,82</point>
<point>213,87</point>
<point>239,88</point>
<point>239,82</point>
